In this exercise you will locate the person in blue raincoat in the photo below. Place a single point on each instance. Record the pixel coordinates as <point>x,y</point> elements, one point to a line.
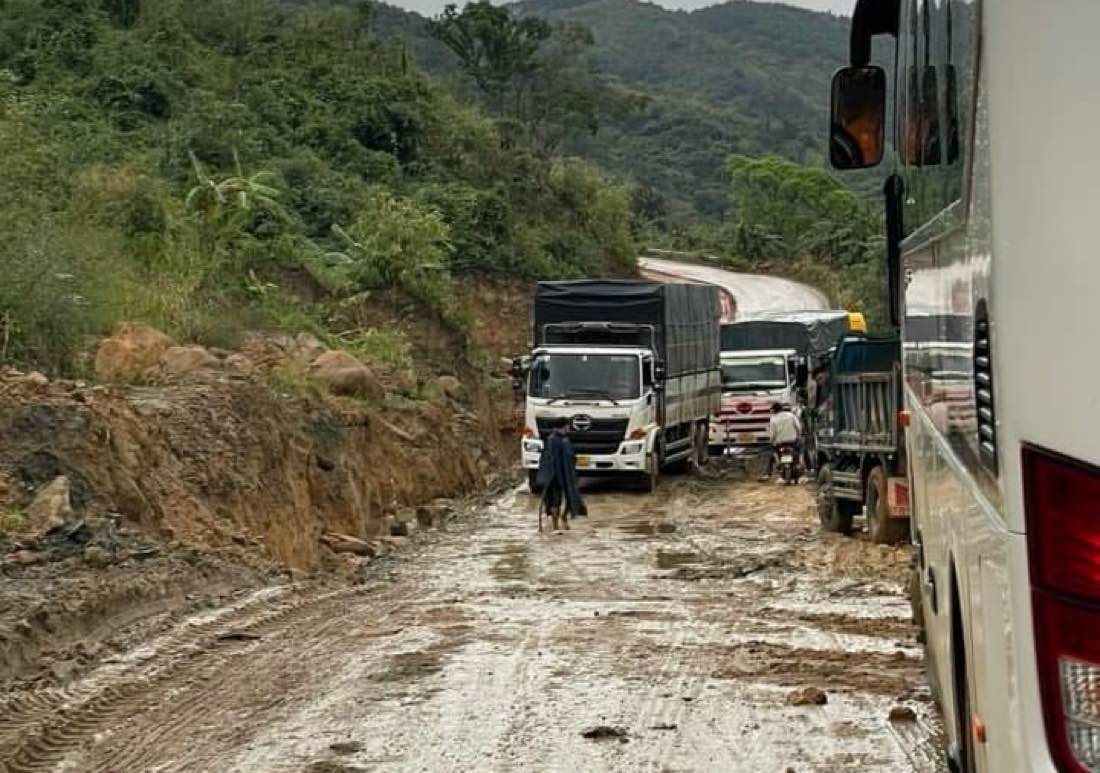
<point>557,476</point>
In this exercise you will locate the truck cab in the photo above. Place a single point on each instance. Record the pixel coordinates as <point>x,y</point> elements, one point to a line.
<point>607,393</point>
<point>751,382</point>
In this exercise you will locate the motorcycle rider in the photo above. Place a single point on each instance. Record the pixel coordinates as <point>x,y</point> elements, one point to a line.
<point>784,429</point>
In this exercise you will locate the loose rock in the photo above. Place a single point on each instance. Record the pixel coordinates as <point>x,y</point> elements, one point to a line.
<point>599,732</point>
<point>807,696</point>
<point>345,543</point>
<point>26,557</point>
<point>345,747</point>
<point>902,714</point>
<point>50,509</point>
<point>178,360</point>
<point>98,557</point>
<point>342,374</point>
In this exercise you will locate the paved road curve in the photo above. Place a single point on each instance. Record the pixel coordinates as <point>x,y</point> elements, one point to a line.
<point>753,293</point>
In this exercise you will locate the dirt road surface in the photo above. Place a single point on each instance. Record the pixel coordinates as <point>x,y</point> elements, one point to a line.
<point>698,629</point>
<point>753,293</point>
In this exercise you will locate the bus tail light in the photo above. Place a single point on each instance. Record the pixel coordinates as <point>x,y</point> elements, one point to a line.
<point>1063,520</point>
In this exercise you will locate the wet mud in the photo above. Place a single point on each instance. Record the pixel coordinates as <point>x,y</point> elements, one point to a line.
<point>662,633</point>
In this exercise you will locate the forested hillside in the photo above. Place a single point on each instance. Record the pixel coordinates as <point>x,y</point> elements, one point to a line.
<point>740,77</point>
<point>176,162</point>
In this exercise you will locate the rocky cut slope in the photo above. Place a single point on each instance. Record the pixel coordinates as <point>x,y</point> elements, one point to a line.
<point>194,472</point>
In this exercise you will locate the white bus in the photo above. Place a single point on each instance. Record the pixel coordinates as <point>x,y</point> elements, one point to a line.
<point>993,212</point>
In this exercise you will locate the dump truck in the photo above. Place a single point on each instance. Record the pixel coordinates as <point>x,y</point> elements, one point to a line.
<point>860,443</point>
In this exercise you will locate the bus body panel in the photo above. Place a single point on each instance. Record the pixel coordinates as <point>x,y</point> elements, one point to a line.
<point>1019,243</point>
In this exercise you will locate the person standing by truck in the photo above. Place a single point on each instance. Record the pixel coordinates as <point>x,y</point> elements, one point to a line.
<point>557,476</point>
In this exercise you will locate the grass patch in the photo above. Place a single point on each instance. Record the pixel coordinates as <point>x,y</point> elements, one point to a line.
<point>374,344</point>
<point>11,522</point>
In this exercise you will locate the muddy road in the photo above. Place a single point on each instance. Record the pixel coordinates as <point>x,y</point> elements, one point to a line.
<point>699,629</point>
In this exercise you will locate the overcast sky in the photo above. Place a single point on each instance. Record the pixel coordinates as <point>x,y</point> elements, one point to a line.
<point>836,6</point>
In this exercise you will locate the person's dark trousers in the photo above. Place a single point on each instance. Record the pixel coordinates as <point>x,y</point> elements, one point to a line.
<point>553,497</point>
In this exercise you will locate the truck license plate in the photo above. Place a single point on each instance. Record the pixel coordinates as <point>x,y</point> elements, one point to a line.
<point>583,461</point>
<point>746,437</point>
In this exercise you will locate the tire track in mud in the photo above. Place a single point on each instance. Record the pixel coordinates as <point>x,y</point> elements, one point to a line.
<point>48,727</point>
<point>28,708</point>
<point>317,639</point>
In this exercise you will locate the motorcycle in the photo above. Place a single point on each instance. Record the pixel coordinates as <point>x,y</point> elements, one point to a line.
<point>790,470</point>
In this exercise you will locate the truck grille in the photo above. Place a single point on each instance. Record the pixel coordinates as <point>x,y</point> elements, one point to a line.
<point>594,436</point>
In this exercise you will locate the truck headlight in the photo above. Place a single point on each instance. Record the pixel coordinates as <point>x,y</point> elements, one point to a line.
<point>532,446</point>
<point>633,448</point>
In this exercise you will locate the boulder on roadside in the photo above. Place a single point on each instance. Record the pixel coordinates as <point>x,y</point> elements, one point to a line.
<point>342,374</point>
<point>178,360</point>
<point>50,509</point>
<point>130,351</point>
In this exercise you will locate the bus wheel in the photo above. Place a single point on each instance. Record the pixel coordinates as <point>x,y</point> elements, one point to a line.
<point>833,514</point>
<point>533,482</point>
<point>883,529</point>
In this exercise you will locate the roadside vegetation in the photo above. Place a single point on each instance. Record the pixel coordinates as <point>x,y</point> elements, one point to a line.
<point>214,166</point>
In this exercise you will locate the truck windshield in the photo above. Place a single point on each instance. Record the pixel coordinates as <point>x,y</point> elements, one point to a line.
<point>585,377</point>
<point>754,373</point>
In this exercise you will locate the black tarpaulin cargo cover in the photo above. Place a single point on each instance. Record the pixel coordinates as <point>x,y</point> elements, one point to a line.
<point>867,355</point>
<point>807,332</point>
<point>685,317</point>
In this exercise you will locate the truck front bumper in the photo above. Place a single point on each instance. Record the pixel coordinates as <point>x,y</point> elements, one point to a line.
<point>632,460</point>
<point>719,439</point>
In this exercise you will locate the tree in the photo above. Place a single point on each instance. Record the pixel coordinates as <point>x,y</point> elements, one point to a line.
<point>494,47</point>
<point>540,81</point>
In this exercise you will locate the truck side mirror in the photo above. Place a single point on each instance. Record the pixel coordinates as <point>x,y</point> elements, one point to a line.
<point>658,371</point>
<point>857,126</point>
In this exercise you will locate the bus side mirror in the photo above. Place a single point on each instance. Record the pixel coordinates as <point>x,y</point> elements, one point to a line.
<point>857,125</point>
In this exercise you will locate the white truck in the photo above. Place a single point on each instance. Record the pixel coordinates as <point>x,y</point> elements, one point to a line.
<point>632,365</point>
<point>766,360</point>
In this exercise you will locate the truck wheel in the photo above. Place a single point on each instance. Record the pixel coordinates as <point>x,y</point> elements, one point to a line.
<point>533,482</point>
<point>883,529</point>
<point>834,515</point>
